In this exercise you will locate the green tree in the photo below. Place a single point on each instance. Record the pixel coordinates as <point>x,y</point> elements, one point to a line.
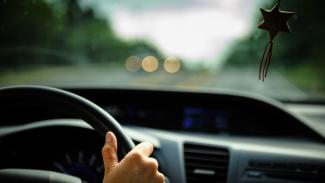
<point>60,32</point>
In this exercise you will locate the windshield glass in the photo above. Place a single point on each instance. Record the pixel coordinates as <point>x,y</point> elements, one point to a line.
<point>161,44</point>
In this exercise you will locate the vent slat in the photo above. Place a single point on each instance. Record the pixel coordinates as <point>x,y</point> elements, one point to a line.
<point>210,156</point>
<point>206,164</point>
<point>217,174</point>
<point>203,151</point>
<point>206,159</point>
<point>201,180</point>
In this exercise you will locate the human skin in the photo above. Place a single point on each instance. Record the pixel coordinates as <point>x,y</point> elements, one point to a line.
<point>135,167</point>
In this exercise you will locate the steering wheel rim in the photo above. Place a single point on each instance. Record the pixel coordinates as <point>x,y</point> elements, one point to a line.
<point>76,105</point>
<point>86,110</point>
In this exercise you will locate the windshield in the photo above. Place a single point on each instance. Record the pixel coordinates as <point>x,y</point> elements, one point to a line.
<point>161,44</point>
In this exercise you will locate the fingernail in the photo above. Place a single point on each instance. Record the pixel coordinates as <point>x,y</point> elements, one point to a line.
<point>107,137</point>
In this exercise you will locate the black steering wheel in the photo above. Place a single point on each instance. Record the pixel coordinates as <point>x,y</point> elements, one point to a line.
<point>77,106</point>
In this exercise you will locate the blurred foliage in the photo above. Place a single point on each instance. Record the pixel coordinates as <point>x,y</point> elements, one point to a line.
<point>38,32</point>
<point>299,55</point>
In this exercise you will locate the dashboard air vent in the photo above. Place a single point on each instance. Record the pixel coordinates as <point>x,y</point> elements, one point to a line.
<point>206,164</point>
<point>287,170</point>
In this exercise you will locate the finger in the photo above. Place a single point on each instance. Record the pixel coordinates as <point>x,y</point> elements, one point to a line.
<point>151,166</point>
<point>109,152</point>
<point>159,178</point>
<point>145,148</point>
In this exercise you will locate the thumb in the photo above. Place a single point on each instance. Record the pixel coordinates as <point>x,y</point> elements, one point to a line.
<point>109,152</point>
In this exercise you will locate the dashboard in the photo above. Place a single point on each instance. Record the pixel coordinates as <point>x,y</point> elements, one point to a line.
<point>198,137</point>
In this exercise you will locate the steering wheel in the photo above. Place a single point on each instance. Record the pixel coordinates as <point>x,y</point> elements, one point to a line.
<point>77,106</point>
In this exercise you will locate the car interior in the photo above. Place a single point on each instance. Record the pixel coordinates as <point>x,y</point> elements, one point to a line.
<point>162,72</point>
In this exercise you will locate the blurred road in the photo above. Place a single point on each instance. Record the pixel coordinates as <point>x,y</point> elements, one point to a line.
<point>91,76</point>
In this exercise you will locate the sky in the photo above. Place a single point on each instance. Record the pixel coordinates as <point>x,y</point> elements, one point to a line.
<point>194,30</point>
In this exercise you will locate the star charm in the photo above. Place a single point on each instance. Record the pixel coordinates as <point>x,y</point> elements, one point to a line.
<point>275,20</point>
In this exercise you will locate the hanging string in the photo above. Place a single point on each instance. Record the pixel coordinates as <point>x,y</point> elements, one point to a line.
<point>266,60</point>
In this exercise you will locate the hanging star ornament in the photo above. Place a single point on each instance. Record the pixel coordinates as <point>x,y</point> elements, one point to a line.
<point>275,21</point>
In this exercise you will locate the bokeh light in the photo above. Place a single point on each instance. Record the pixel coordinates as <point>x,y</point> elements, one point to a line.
<point>172,65</point>
<point>133,64</point>
<point>150,64</point>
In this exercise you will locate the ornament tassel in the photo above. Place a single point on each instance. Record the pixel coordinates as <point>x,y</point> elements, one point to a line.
<point>268,59</point>
<point>265,61</point>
